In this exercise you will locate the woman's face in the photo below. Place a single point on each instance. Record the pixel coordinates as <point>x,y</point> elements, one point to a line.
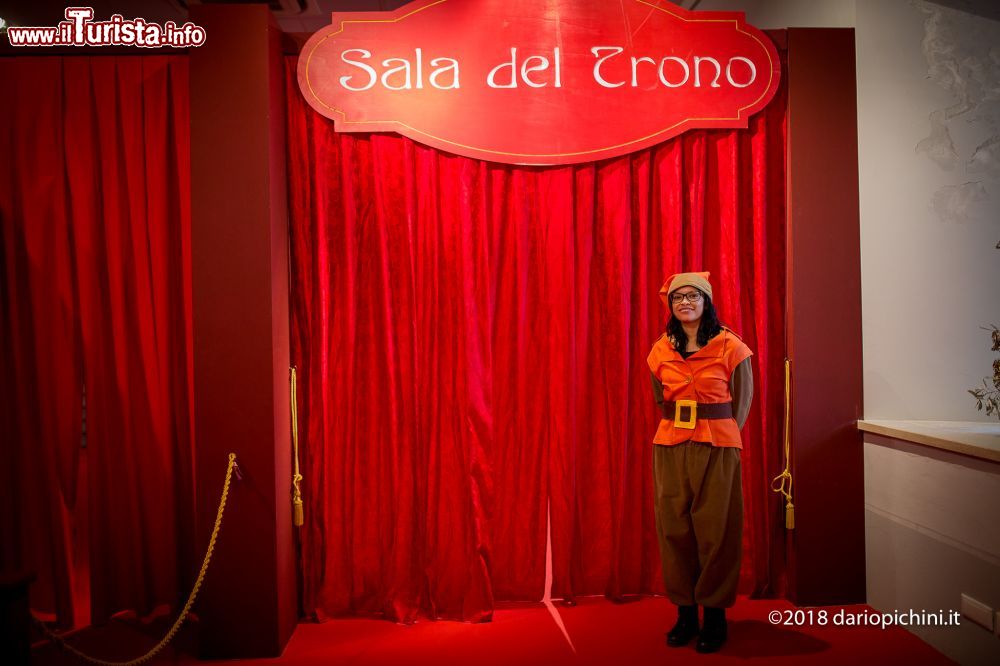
<point>687,304</point>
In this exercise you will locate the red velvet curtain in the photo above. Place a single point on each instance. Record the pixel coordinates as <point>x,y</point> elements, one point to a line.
<point>95,294</point>
<point>471,341</point>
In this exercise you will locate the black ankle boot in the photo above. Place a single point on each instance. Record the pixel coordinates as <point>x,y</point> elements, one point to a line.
<point>686,627</point>
<point>713,634</point>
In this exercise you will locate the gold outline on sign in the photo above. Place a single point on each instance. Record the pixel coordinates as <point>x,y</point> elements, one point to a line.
<point>738,116</point>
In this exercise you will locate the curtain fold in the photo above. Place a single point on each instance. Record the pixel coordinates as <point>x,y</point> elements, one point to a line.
<point>42,393</point>
<point>471,341</point>
<point>96,221</point>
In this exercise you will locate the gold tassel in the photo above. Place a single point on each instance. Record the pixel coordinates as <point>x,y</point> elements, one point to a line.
<point>786,475</point>
<point>298,515</point>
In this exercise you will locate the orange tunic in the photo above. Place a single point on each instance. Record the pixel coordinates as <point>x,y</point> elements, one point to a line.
<point>704,377</point>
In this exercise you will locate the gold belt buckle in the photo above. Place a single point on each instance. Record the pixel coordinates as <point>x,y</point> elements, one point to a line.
<point>689,423</point>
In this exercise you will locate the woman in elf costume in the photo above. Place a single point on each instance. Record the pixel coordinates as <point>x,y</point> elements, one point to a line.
<point>703,386</point>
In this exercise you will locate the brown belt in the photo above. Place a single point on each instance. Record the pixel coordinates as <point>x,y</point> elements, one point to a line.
<point>704,410</point>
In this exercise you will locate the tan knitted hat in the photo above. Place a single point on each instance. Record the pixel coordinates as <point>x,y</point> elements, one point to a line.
<point>675,282</point>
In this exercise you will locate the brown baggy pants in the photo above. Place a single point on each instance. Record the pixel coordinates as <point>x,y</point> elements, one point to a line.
<point>699,522</point>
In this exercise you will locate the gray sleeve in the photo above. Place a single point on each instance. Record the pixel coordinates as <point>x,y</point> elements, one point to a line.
<point>657,392</point>
<point>741,387</point>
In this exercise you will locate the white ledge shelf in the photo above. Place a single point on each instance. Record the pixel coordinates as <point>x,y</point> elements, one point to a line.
<point>971,438</point>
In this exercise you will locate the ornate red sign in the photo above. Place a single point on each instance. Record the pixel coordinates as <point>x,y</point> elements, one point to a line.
<point>538,81</point>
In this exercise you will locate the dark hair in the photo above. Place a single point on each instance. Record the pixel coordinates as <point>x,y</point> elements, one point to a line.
<point>708,328</point>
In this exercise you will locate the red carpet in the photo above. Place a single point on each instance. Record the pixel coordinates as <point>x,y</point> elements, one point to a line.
<point>601,633</point>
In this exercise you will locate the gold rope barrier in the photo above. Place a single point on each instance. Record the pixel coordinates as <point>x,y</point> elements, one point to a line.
<point>297,514</point>
<point>786,475</point>
<point>61,642</point>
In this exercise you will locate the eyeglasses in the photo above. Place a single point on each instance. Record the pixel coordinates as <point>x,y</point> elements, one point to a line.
<point>692,297</point>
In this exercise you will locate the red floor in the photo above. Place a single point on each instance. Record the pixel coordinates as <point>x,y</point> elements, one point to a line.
<point>600,632</point>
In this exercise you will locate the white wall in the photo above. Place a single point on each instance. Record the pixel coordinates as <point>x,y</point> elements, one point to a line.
<point>767,14</point>
<point>930,277</point>
<point>928,94</point>
<point>931,535</point>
